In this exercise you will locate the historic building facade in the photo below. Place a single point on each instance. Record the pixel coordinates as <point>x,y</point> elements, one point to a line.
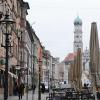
<point>49,69</point>
<point>86,69</point>
<point>17,10</point>
<point>86,60</point>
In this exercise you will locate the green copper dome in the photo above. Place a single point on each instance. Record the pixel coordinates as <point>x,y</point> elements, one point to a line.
<point>77,21</point>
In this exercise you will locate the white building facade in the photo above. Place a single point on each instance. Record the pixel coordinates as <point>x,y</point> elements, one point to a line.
<point>86,69</point>
<point>86,60</point>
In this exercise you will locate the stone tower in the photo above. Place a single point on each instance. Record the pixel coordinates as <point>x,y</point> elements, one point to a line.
<point>78,34</point>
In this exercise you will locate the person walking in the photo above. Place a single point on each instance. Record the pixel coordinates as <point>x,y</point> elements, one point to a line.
<point>15,88</point>
<point>20,90</point>
<point>43,88</point>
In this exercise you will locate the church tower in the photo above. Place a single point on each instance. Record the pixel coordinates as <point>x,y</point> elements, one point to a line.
<point>78,34</point>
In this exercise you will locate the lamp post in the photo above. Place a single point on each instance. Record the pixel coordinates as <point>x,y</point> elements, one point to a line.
<point>39,89</point>
<point>6,23</point>
<point>47,67</point>
<point>32,68</point>
<point>40,52</point>
<point>48,77</point>
<point>32,82</point>
<point>27,86</point>
<point>27,76</point>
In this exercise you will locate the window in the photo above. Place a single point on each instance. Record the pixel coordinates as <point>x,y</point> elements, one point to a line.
<point>14,49</point>
<point>77,36</point>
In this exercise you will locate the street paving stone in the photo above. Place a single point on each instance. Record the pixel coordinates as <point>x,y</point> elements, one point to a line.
<point>43,96</point>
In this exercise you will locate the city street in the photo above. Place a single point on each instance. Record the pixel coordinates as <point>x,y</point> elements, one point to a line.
<point>43,96</point>
<point>49,45</point>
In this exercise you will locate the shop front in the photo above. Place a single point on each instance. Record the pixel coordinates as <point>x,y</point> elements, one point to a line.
<point>11,78</point>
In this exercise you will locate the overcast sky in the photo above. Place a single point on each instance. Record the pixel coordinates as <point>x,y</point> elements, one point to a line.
<point>53,20</point>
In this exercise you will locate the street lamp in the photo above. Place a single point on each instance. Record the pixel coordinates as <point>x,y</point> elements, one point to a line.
<point>47,69</point>
<point>39,89</point>
<point>6,23</point>
<point>48,76</point>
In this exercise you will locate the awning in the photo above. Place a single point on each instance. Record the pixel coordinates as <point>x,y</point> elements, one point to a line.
<point>11,74</point>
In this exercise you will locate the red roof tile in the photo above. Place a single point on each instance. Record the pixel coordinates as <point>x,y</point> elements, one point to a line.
<point>70,57</point>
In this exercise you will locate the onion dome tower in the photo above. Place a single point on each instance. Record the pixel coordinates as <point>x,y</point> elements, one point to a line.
<point>78,34</point>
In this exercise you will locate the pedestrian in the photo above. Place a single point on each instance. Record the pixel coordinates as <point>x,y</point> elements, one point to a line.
<point>34,86</point>
<point>20,90</point>
<point>15,88</point>
<point>98,94</point>
<point>43,88</point>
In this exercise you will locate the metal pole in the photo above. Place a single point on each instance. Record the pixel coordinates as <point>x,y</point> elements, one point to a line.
<point>27,76</point>
<point>39,89</point>
<point>48,79</point>
<point>47,70</point>
<point>95,87</point>
<point>27,86</point>
<point>6,66</point>
<point>32,69</point>
<point>32,83</point>
<point>6,21</point>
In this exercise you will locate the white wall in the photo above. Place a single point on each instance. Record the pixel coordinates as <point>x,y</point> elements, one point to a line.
<point>66,69</point>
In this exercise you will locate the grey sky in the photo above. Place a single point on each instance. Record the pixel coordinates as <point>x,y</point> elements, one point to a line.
<point>53,20</point>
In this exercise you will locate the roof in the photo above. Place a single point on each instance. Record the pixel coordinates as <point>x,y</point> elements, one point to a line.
<point>70,57</point>
<point>77,21</point>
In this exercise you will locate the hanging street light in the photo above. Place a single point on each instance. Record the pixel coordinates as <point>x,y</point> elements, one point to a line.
<point>40,65</point>
<point>6,27</point>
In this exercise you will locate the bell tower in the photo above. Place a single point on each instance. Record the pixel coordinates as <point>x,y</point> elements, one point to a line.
<point>78,34</point>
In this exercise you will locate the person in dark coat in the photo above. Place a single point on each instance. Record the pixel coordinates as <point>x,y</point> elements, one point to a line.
<point>15,88</point>
<point>43,88</point>
<point>20,90</point>
<point>98,94</point>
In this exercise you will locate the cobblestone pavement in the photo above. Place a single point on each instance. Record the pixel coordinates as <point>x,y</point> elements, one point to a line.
<point>35,96</point>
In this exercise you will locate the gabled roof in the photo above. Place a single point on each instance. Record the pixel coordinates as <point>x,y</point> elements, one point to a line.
<point>70,57</point>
